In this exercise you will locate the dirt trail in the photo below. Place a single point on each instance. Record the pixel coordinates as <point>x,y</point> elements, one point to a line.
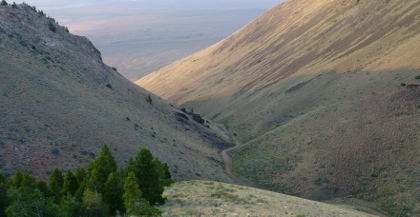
<point>228,161</point>
<point>228,168</point>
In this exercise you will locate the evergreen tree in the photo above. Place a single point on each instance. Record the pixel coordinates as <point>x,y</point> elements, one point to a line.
<point>33,204</point>
<point>17,179</point>
<point>56,183</point>
<point>112,193</point>
<point>4,202</point>
<point>147,175</point>
<point>70,207</point>
<point>3,3</point>
<point>70,184</point>
<point>27,185</point>
<point>131,166</point>
<point>100,168</point>
<point>43,187</point>
<point>133,201</point>
<point>165,177</point>
<point>93,205</point>
<point>80,174</point>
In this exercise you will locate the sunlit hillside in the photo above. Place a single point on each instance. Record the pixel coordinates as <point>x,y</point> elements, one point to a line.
<point>323,94</point>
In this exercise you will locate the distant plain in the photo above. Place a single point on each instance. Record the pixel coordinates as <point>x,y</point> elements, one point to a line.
<point>139,37</point>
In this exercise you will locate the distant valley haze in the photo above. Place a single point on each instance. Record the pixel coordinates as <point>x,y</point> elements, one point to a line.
<point>140,36</point>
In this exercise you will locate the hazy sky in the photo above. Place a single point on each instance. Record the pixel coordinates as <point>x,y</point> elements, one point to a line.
<point>140,36</point>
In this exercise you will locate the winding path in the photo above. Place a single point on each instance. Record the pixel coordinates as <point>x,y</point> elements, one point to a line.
<point>228,168</point>
<point>228,161</point>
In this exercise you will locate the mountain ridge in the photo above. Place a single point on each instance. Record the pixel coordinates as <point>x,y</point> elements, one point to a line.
<point>60,103</point>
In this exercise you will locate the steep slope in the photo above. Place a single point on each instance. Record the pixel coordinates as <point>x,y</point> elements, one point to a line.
<point>323,93</point>
<point>60,103</point>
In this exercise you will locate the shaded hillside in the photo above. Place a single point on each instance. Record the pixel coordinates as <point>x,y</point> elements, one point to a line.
<point>60,103</point>
<point>323,94</point>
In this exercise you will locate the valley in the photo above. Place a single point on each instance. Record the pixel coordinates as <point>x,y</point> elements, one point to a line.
<point>324,96</point>
<point>312,101</point>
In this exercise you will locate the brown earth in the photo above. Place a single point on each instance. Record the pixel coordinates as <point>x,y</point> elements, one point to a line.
<point>315,90</point>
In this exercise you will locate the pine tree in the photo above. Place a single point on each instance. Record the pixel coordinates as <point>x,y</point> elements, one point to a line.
<point>133,201</point>
<point>80,174</point>
<point>93,205</point>
<point>27,185</point>
<point>165,177</point>
<point>43,187</point>
<point>4,202</point>
<point>112,193</point>
<point>131,166</point>
<point>33,204</point>
<point>70,184</point>
<point>17,179</point>
<point>56,183</point>
<point>100,168</point>
<point>147,176</point>
<point>71,207</point>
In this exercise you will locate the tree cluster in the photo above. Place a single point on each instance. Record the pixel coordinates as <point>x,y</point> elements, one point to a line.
<point>100,189</point>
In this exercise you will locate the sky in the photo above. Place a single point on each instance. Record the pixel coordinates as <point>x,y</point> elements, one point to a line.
<point>140,36</point>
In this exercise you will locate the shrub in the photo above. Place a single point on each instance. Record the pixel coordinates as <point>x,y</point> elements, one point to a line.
<point>3,3</point>
<point>149,99</point>
<point>418,77</point>
<point>55,151</point>
<point>52,27</point>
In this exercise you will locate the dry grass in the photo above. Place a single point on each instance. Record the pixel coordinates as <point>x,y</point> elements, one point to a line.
<point>205,198</point>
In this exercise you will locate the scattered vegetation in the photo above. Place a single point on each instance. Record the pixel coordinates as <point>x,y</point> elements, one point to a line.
<point>101,189</point>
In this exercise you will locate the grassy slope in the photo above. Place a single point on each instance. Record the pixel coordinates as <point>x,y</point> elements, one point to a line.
<point>204,198</point>
<point>313,89</point>
<point>60,103</point>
